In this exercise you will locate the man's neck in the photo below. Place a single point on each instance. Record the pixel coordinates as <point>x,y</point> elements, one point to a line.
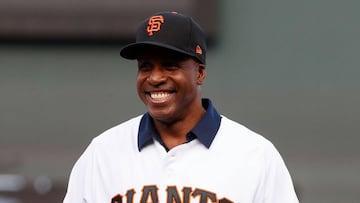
<point>174,134</point>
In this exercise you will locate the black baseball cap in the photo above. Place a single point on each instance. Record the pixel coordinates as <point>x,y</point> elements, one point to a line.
<point>169,30</point>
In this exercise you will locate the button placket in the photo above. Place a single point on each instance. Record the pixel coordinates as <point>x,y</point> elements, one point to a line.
<point>171,166</point>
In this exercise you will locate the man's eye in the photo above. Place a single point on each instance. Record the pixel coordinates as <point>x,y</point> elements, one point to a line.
<point>144,66</point>
<point>171,66</point>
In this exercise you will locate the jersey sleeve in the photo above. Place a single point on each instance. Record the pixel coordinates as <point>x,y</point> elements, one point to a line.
<point>277,186</point>
<point>80,178</point>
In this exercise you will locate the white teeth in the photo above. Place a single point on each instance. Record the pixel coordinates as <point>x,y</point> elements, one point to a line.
<point>159,95</point>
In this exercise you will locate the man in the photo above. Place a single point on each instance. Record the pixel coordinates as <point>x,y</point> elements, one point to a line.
<point>182,150</point>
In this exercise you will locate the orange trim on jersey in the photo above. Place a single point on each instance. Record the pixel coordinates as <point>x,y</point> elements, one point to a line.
<point>150,194</point>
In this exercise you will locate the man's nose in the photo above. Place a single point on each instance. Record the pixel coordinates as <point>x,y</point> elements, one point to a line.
<point>157,76</point>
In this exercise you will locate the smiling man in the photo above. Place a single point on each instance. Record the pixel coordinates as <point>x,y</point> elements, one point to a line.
<point>169,85</point>
<point>181,150</point>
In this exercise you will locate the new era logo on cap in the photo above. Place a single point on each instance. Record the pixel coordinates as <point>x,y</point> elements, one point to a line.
<point>169,30</point>
<point>198,50</point>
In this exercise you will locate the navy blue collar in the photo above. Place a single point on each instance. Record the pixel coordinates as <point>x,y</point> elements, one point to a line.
<point>205,131</point>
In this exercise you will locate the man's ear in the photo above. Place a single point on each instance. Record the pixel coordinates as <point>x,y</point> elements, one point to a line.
<point>201,74</point>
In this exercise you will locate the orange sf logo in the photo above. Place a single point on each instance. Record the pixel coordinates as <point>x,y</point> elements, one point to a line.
<point>154,24</point>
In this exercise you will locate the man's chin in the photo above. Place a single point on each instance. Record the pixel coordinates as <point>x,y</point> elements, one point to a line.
<point>163,117</point>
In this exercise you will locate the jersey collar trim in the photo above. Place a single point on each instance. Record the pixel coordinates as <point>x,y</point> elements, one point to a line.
<point>205,131</point>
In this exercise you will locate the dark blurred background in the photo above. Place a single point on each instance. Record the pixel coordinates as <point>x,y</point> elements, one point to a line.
<point>288,70</point>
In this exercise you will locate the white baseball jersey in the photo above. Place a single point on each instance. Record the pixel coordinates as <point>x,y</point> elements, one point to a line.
<point>235,165</point>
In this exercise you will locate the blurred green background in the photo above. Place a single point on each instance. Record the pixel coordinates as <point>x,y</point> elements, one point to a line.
<point>288,70</point>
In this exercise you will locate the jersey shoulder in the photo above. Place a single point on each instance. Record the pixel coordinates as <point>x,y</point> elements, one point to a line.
<point>238,131</point>
<point>237,136</point>
<point>120,134</point>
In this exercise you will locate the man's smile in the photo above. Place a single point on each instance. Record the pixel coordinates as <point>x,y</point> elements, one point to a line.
<point>160,96</point>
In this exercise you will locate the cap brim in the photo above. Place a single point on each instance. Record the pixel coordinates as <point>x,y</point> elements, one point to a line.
<point>135,50</point>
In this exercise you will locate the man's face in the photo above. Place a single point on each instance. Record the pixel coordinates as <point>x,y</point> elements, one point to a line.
<point>169,85</point>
